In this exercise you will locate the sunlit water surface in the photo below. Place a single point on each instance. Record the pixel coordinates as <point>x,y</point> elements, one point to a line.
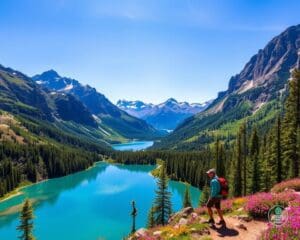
<point>93,204</point>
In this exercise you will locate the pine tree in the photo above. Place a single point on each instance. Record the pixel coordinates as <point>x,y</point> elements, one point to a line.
<point>187,197</point>
<point>133,214</point>
<point>219,155</point>
<point>267,163</point>
<point>151,218</point>
<point>276,151</point>
<point>236,176</point>
<point>255,168</point>
<point>244,147</point>
<point>162,203</point>
<point>291,127</point>
<point>26,224</point>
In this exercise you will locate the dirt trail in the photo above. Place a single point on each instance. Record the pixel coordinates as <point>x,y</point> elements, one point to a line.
<point>254,230</point>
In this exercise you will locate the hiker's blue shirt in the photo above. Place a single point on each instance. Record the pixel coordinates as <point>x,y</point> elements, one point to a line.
<point>215,187</point>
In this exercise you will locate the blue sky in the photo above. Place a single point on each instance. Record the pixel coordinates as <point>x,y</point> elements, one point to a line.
<point>141,49</point>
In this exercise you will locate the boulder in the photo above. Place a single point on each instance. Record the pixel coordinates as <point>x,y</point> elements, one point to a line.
<point>187,211</point>
<point>184,213</point>
<point>183,221</point>
<point>157,233</point>
<point>141,232</point>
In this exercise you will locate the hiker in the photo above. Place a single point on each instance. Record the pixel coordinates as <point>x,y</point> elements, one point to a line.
<point>214,197</point>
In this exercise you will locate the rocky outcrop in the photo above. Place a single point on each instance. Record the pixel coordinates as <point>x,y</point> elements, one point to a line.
<point>266,73</point>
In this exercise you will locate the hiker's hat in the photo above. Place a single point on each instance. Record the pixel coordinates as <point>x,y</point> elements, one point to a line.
<point>212,170</point>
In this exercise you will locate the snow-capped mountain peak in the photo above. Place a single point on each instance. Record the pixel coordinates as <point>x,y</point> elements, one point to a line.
<point>166,115</point>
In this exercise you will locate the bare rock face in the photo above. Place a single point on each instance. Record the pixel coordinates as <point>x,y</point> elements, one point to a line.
<point>266,73</point>
<point>183,221</point>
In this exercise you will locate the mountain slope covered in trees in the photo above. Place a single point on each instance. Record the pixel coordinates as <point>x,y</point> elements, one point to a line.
<point>256,160</point>
<point>43,135</point>
<point>254,94</point>
<point>107,114</point>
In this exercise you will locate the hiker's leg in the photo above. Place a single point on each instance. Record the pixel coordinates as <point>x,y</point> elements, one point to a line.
<point>218,207</point>
<point>220,214</point>
<point>209,206</point>
<point>210,212</point>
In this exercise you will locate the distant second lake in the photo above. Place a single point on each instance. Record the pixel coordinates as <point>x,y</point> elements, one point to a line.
<point>133,146</point>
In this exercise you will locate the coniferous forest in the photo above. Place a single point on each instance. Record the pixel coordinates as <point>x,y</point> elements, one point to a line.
<point>256,160</point>
<point>145,120</point>
<point>39,162</point>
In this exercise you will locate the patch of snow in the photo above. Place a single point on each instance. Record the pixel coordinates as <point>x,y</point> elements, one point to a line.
<point>132,106</point>
<point>40,82</point>
<point>68,87</point>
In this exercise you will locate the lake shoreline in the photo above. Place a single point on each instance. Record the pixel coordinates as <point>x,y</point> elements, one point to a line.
<point>17,191</point>
<point>101,196</point>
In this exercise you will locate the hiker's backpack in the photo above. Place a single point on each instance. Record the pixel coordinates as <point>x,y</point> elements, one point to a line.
<point>224,187</point>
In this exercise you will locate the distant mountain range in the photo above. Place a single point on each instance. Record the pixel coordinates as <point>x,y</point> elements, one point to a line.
<point>108,116</point>
<point>164,116</point>
<point>254,94</point>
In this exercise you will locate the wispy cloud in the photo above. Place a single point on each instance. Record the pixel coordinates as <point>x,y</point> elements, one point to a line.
<point>130,9</point>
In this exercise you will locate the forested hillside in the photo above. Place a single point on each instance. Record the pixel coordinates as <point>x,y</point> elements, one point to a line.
<point>255,161</point>
<point>43,135</point>
<point>33,151</point>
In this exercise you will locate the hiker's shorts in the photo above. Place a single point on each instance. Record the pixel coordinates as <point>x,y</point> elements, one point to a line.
<point>214,202</point>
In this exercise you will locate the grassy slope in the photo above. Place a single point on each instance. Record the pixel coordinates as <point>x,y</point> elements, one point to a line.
<point>203,129</point>
<point>32,131</point>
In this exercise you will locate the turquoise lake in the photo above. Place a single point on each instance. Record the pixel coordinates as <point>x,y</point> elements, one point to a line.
<point>93,204</point>
<point>133,146</point>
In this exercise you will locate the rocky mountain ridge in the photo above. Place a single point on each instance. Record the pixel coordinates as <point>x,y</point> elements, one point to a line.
<point>167,115</point>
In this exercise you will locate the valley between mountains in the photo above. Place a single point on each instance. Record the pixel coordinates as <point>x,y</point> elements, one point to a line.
<point>53,126</point>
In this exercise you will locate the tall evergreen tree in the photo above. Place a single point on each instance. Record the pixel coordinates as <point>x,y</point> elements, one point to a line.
<point>244,153</point>
<point>162,203</point>
<point>236,168</point>
<point>26,223</point>
<point>220,158</point>
<point>276,150</point>
<point>151,218</point>
<point>255,165</point>
<point>267,164</point>
<point>187,197</point>
<point>291,127</point>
